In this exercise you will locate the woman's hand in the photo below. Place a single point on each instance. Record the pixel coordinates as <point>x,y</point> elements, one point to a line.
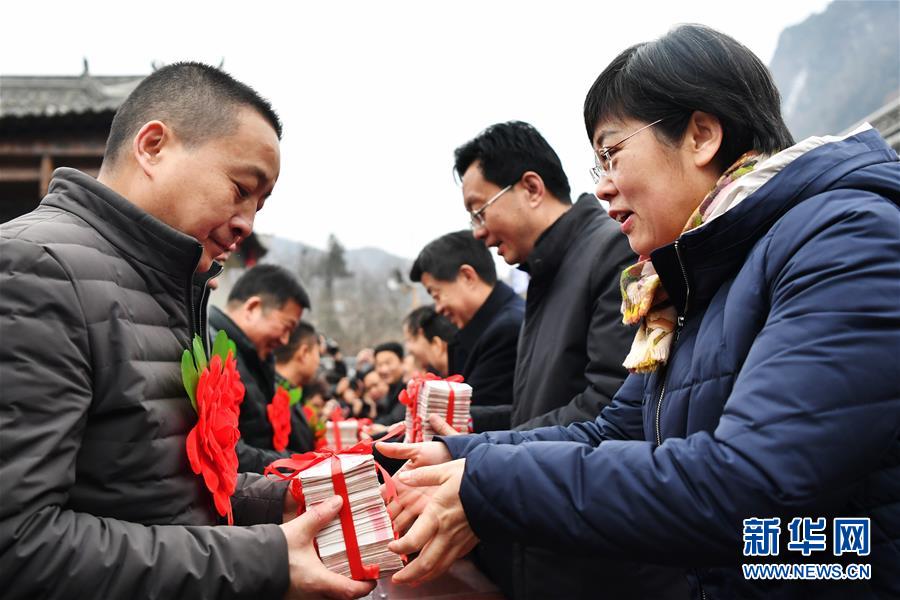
<point>419,455</point>
<point>441,534</point>
<point>411,500</point>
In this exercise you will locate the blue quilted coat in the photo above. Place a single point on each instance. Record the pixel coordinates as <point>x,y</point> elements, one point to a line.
<point>781,397</point>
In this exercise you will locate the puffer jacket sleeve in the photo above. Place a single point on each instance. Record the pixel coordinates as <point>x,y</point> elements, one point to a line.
<point>49,551</point>
<point>608,340</point>
<point>814,408</point>
<point>622,420</point>
<point>258,499</point>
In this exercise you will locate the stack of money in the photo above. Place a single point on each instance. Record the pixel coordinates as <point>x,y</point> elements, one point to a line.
<point>434,398</point>
<point>370,517</point>
<point>347,433</point>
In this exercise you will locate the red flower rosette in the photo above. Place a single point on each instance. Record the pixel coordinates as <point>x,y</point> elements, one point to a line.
<point>279,412</point>
<point>216,393</point>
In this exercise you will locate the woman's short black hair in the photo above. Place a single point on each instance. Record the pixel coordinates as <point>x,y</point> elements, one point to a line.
<point>427,321</point>
<point>691,68</point>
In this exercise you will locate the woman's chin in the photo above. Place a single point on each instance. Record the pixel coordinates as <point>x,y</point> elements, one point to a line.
<point>639,245</point>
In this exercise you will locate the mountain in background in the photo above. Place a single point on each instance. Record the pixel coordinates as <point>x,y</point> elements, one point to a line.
<point>836,68</point>
<point>833,70</point>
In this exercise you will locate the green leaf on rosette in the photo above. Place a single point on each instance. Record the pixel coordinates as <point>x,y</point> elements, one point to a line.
<point>233,348</point>
<point>220,346</point>
<point>295,394</point>
<point>189,376</point>
<point>199,354</point>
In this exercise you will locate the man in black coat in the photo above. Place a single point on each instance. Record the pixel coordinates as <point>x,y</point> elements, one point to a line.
<point>569,362</point>
<point>102,287</point>
<point>263,308</point>
<point>458,272</point>
<point>296,364</point>
<point>572,344</point>
<point>389,366</point>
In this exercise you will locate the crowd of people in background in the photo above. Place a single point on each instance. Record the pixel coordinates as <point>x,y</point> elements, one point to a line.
<point>754,375</point>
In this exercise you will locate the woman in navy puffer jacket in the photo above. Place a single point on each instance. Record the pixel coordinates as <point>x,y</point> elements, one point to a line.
<point>765,372</point>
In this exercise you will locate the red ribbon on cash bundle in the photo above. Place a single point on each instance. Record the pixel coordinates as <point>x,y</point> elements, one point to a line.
<point>336,417</point>
<point>410,397</point>
<point>365,427</point>
<point>300,462</point>
<point>362,426</point>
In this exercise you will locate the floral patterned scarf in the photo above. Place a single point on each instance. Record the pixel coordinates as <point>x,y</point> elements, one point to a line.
<point>646,302</point>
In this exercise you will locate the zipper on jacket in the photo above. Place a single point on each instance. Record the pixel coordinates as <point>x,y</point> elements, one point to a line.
<point>678,326</point>
<point>192,314</point>
<point>700,584</point>
<point>197,322</point>
<point>203,326</point>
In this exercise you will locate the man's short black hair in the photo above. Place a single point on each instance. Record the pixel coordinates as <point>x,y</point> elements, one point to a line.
<point>302,335</point>
<point>426,321</point>
<point>394,347</point>
<point>691,68</point>
<point>443,257</point>
<point>358,377</point>
<point>197,101</point>
<point>361,374</point>
<point>316,387</point>
<point>505,151</point>
<point>274,284</point>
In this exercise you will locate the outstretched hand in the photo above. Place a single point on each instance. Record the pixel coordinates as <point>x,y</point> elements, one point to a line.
<point>418,455</point>
<point>308,576</point>
<point>411,501</point>
<point>441,534</point>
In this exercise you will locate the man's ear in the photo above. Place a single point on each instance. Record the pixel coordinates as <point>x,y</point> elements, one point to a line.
<point>438,344</point>
<point>252,305</point>
<point>533,184</point>
<point>703,138</point>
<point>307,351</point>
<point>467,275</point>
<point>148,145</point>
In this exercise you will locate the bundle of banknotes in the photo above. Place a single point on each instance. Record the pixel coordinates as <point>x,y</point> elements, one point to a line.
<point>370,516</point>
<point>346,435</point>
<point>435,398</point>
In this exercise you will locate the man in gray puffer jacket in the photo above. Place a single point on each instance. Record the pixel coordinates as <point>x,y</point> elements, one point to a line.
<point>101,288</point>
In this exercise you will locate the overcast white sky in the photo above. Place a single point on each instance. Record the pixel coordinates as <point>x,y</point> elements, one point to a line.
<point>376,95</point>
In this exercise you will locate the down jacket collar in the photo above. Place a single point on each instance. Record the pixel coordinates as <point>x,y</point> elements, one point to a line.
<point>691,271</point>
<point>133,231</point>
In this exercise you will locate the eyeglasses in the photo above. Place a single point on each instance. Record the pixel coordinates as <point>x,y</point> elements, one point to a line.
<point>477,216</point>
<point>603,156</point>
